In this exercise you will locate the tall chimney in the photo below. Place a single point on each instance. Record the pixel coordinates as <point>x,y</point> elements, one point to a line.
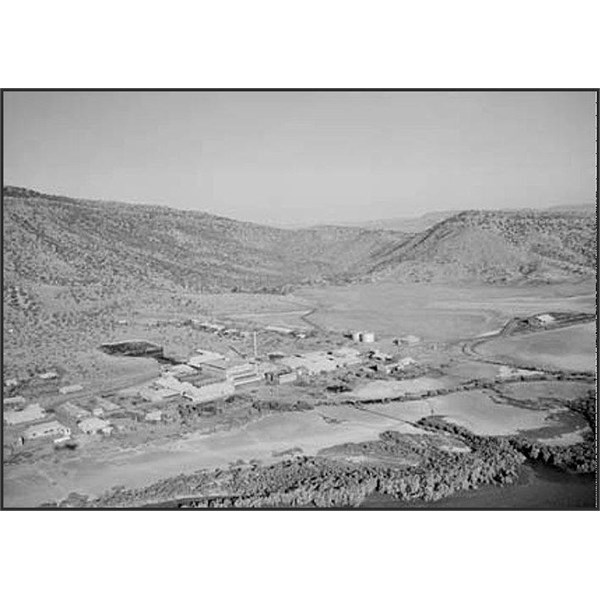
<point>255,345</point>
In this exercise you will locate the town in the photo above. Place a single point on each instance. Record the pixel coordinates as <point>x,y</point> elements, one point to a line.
<point>208,385</point>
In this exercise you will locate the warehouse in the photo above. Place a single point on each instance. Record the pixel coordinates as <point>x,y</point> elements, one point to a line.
<point>33,412</point>
<point>237,372</point>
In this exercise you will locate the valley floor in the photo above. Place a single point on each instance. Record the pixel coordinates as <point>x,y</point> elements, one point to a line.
<point>460,389</point>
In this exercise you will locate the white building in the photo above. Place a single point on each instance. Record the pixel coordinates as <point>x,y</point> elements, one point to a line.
<point>210,392</point>
<point>161,394</point>
<point>48,375</point>
<point>237,372</point>
<point>154,416</point>
<point>33,412</point>
<point>51,428</point>
<point>70,389</point>
<point>95,425</point>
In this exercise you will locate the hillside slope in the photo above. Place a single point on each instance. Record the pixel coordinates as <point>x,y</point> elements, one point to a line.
<point>497,247</point>
<point>64,241</point>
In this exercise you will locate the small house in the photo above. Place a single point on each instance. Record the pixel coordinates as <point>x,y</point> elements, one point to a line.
<point>70,389</point>
<point>49,375</point>
<point>154,416</point>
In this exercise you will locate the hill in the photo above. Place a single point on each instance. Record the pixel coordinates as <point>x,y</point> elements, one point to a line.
<point>427,220</point>
<point>59,241</point>
<point>409,224</point>
<point>497,247</point>
<point>64,241</point>
<point>78,273</point>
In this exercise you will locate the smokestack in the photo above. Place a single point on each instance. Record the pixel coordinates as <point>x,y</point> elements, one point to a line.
<point>255,345</point>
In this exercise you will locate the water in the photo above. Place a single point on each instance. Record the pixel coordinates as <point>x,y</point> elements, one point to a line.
<point>539,488</point>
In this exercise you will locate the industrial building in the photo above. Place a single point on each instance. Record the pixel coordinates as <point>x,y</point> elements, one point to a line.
<point>210,392</point>
<point>177,370</point>
<point>237,372</point>
<point>51,428</point>
<point>203,357</point>
<point>207,390</point>
<point>162,394</point>
<point>33,412</point>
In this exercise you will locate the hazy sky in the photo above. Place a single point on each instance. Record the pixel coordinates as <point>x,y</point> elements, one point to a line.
<point>305,157</point>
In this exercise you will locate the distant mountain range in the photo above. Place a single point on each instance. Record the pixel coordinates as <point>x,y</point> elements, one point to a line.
<point>427,220</point>
<point>63,241</point>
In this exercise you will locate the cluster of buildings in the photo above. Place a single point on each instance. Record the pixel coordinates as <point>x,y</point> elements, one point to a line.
<point>314,363</point>
<point>209,376</point>
<point>17,412</point>
<point>206,376</point>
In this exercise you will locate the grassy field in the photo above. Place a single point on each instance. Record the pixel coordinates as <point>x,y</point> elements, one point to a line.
<point>31,484</point>
<point>375,390</point>
<point>571,348</point>
<point>474,410</point>
<point>545,390</point>
<point>436,312</point>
